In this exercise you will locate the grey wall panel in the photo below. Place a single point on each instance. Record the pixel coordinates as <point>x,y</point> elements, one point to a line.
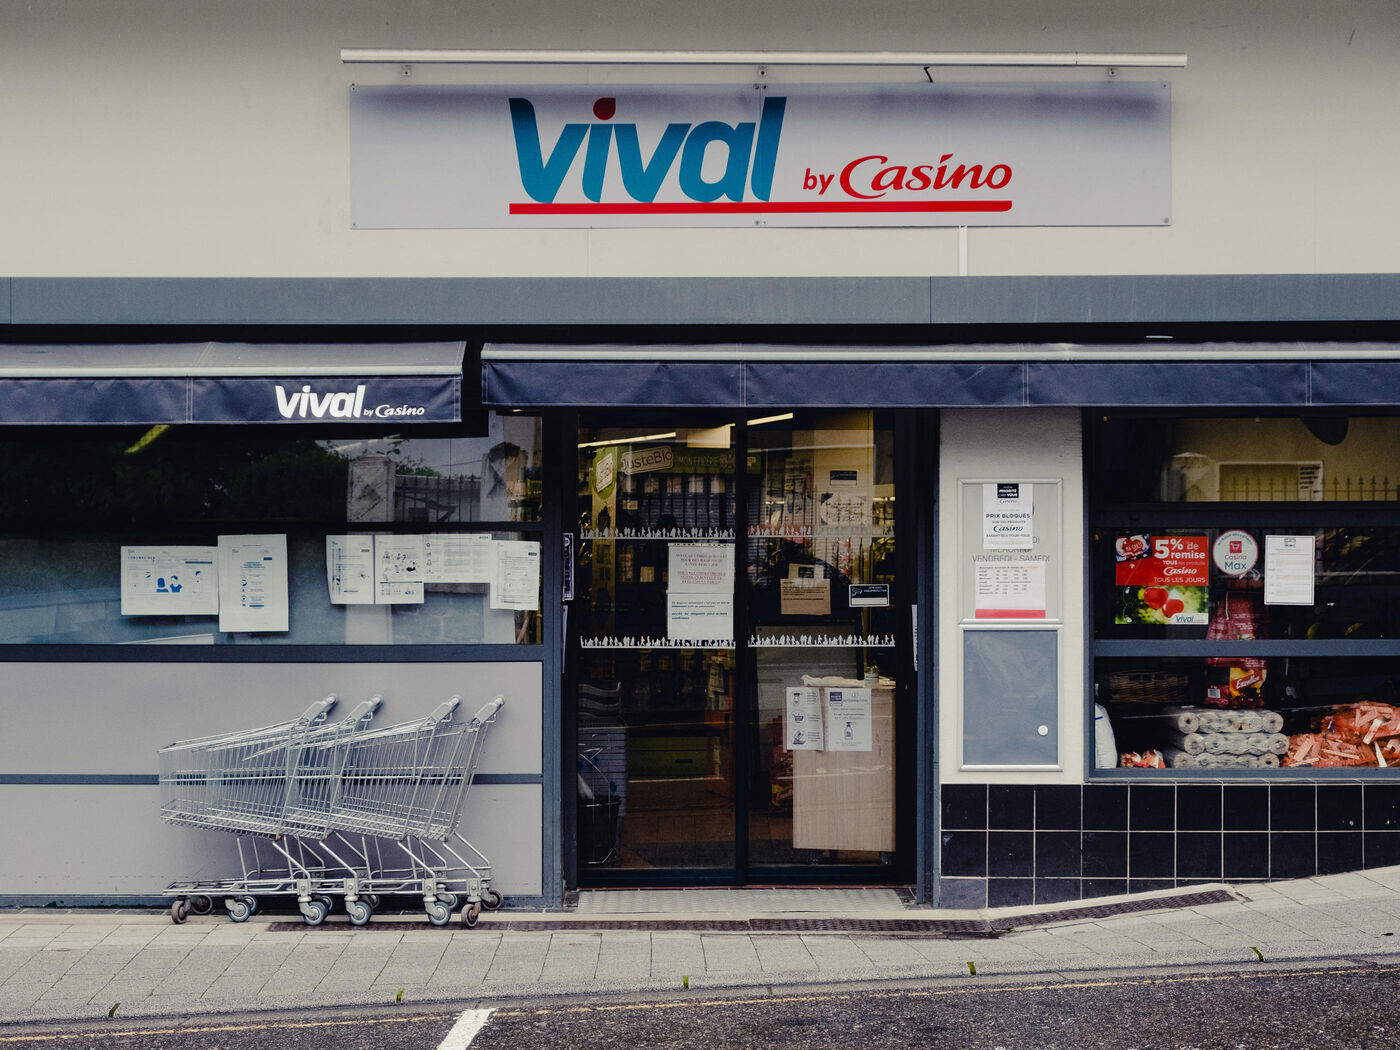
<point>604,300</point>
<point>1165,298</point>
<point>93,718</point>
<point>705,300</point>
<point>96,842</point>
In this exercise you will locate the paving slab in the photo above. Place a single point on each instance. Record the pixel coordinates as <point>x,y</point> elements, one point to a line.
<point>76,965</point>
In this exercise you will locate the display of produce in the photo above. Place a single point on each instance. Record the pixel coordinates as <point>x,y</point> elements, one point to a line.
<point>1149,759</point>
<point>1365,733</point>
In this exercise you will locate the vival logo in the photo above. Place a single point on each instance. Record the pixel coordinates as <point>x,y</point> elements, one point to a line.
<point>723,168</point>
<point>340,405</point>
<point>751,154</point>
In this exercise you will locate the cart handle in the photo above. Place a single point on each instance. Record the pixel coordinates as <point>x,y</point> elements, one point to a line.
<point>365,709</point>
<point>488,711</point>
<point>316,713</point>
<point>443,712</point>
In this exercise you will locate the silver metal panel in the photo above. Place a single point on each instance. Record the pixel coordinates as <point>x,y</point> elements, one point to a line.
<point>1010,702</point>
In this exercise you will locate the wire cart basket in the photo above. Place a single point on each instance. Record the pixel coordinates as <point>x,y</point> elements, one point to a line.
<point>316,805</point>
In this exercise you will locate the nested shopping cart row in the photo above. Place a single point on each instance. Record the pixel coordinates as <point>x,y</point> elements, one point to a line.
<point>328,810</point>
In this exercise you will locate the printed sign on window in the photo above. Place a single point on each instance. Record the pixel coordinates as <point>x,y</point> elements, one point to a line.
<point>1162,579</point>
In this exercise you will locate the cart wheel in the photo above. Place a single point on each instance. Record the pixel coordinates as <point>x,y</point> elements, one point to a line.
<point>450,900</point>
<point>359,912</point>
<point>314,912</point>
<point>439,914</point>
<point>470,914</point>
<point>373,899</point>
<point>179,911</point>
<point>238,909</point>
<point>251,903</point>
<point>329,902</point>
<point>201,904</point>
<point>492,900</point>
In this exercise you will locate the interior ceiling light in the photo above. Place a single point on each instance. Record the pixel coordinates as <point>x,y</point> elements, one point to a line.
<point>626,440</point>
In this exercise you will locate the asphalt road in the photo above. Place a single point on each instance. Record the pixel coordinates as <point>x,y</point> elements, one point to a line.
<point>1349,1007</point>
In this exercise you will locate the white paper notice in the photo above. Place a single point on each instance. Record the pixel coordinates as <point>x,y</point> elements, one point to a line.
<point>170,581</point>
<point>1006,516</point>
<point>707,567</point>
<point>253,583</point>
<point>694,616</point>
<point>515,579</point>
<point>1288,570</point>
<point>398,570</point>
<point>848,725</point>
<point>1010,590</point>
<point>457,557</point>
<point>350,569</point>
<point>804,719</point>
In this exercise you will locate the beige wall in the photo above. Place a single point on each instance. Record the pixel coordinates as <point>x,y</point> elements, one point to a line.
<point>148,138</point>
<point>1044,445</point>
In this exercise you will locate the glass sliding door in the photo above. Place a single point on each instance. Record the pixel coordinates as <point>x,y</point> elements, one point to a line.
<point>820,583</point>
<point>735,665</point>
<point>655,664</point>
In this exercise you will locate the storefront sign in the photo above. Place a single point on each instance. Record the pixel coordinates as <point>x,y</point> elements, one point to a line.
<point>643,460</point>
<point>169,581</point>
<point>803,729</point>
<point>1014,591</point>
<point>1235,553</point>
<point>1006,516</point>
<point>802,155</point>
<point>352,383</point>
<point>848,723</point>
<point>253,583</point>
<point>1288,570</point>
<point>1162,579</point>
<point>868,595</point>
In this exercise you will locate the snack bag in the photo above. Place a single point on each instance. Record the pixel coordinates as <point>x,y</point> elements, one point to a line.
<point>1237,681</point>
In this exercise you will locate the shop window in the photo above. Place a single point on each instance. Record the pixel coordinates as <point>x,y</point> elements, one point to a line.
<point>1246,594</point>
<point>258,535</point>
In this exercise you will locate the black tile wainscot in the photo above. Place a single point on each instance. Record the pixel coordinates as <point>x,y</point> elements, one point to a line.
<point>1021,844</point>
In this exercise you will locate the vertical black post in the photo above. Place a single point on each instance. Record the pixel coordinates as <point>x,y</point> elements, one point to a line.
<point>561,466</point>
<point>920,443</point>
<point>745,666</point>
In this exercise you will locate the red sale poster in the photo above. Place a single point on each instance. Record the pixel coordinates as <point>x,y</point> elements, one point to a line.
<point>1162,579</point>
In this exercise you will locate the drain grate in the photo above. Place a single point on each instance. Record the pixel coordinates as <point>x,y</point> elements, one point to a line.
<point>931,927</point>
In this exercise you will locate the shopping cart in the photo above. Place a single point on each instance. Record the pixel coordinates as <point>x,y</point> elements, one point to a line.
<point>325,799</point>
<point>405,785</point>
<point>272,787</point>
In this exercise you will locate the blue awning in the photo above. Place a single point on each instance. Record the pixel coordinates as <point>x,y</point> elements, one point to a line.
<point>1154,374</point>
<point>341,383</point>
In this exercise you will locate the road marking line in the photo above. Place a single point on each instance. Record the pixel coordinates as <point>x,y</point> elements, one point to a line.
<point>464,1031</point>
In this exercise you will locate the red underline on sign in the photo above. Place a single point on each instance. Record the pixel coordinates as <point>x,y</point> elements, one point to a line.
<point>757,207</point>
<point>1010,614</point>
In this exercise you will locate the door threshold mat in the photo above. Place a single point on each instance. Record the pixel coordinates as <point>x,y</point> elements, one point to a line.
<point>930,927</point>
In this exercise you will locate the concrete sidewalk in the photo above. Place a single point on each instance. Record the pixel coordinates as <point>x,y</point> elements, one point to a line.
<point>62,965</point>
